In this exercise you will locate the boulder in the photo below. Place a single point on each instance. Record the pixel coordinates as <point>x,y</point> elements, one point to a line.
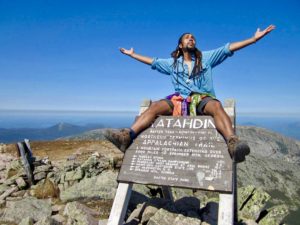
<point>80,214</point>
<point>102,186</point>
<point>32,207</point>
<point>76,174</point>
<point>275,215</point>
<point>162,217</point>
<point>26,221</point>
<point>254,204</point>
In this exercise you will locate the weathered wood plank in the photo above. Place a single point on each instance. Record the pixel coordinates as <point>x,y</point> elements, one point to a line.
<point>119,206</point>
<point>26,164</point>
<point>225,215</point>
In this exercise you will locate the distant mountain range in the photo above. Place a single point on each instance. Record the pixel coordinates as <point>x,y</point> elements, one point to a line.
<point>288,129</point>
<point>50,133</point>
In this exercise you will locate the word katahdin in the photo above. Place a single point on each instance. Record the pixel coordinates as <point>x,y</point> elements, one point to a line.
<point>190,123</point>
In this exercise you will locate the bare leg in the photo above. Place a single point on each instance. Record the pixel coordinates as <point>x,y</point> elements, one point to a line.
<point>237,149</point>
<point>122,138</point>
<point>222,120</point>
<point>146,119</point>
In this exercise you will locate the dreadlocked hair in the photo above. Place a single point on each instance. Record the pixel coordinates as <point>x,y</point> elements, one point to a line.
<point>198,59</point>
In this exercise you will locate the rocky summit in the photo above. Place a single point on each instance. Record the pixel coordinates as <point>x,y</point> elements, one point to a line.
<point>75,183</point>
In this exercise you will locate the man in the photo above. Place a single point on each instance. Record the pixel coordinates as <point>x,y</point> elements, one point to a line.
<point>191,74</point>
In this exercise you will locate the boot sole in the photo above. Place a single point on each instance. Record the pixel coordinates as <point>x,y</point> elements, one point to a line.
<point>242,151</point>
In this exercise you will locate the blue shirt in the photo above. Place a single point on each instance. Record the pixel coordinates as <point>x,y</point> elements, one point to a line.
<point>200,83</point>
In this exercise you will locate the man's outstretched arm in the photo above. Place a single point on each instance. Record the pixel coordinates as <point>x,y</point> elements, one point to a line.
<point>257,36</point>
<point>132,54</point>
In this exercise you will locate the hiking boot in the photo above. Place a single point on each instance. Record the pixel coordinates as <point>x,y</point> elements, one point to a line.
<point>120,138</point>
<point>237,149</point>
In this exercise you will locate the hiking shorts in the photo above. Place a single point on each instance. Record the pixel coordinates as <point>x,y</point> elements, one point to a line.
<point>200,107</point>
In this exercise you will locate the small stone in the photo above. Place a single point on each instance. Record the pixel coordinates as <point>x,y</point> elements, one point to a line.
<point>74,175</point>
<point>18,193</point>
<point>21,183</point>
<point>275,215</point>
<point>148,213</point>
<point>249,222</point>
<point>2,203</point>
<point>136,214</point>
<point>57,208</point>
<point>80,214</point>
<point>45,221</point>
<point>40,176</point>
<point>26,221</point>
<point>43,168</point>
<point>184,220</point>
<point>8,192</point>
<point>103,222</point>
<point>13,198</point>
<point>162,217</point>
<point>58,219</point>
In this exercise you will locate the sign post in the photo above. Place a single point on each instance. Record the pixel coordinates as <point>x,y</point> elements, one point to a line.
<point>183,152</point>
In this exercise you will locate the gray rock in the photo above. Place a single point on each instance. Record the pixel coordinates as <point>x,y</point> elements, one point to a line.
<point>18,193</point>
<point>40,176</point>
<point>80,214</point>
<point>77,174</point>
<point>103,222</point>
<point>183,220</point>
<point>148,213</point>
<point>21,183</point>
<point>93,166</point>
<point>26,221</point>
<point>250,222</point>
<point>37,209</point>
<point>57,208</point>
<point>101,187</point>
<point>58,219</point>
<point>244,193</point>
<point>2,204</point>
<point>46,221</point>
<point>255,204</point>
<point>275,215</point>
<point>136,214</point>
<point>14,168</point>
<point>8,192</point>
<point>274,165</point>
<point>3,188</point>
<point>162,217</point>
<point>43,168</point>
<point>179,193</point>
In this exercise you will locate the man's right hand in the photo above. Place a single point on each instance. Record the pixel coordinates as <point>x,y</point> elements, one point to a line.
<point>131,53</point>
<point>127,52</point>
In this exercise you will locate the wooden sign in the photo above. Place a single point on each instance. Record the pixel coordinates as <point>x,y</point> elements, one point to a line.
<point>180,152</point>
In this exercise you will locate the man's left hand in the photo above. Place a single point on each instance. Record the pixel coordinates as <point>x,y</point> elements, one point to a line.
<point>260,34</point>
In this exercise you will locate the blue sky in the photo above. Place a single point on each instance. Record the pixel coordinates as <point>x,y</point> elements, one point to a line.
<point>63,55</point>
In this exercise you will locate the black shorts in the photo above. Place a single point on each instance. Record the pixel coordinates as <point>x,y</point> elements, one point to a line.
<point>200,107</point>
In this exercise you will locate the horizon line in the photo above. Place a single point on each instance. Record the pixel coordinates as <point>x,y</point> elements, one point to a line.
<point>242,113</point>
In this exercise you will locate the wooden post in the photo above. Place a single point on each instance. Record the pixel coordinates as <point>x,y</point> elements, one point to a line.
<point>228,202</point>
<point>119,207</point>
<point>26,158</point>
<point>123,193</point>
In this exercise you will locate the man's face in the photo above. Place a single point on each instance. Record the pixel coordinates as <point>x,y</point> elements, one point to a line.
<point>188,42</point>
